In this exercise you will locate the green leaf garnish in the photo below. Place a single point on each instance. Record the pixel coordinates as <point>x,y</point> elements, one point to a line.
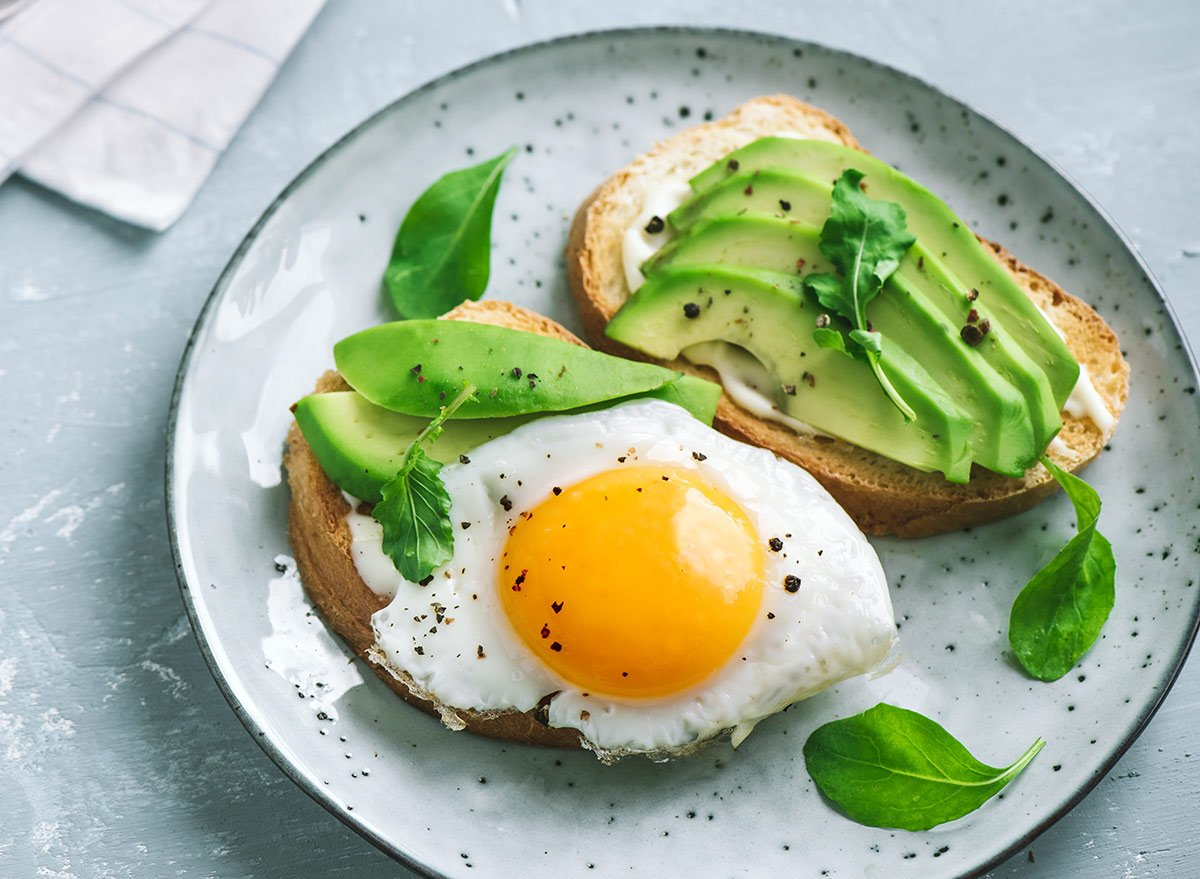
<point>415,510</point>
<point>442,254</point>
<point>827,338</point>
<point>865,239</point>
<point>1059,614</point>
<point>890,767</point>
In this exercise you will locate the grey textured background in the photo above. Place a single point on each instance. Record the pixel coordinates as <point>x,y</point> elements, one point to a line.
<point>118,756</point>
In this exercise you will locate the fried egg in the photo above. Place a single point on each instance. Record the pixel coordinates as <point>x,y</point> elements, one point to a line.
<point>637,576</point>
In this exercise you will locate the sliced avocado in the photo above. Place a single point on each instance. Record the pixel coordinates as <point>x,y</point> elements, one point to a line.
<point>770,316</point>
<point>415,366</point>
<point>940,232</point>
<point>1003,438</point>
<point>778,193</point>
<point>759,241</point>
<point>766,192</point>
<point>360,446</point>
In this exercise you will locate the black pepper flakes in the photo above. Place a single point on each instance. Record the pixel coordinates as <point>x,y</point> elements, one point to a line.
<point>732,164</point>
<point>809,379</point>
<point>515,372</point>
<point>785,205</point>
<point>823,321</point>
<point>971,334</point>
<point>921,262</point>
<point>775,544</point>
<point>556,647</point>
<point>463,459</point>
<point>506,503</point>
<point>556,606</point>
<point>972,295</point>
<point>790,390</point>
<point>770,616</point>
<point>972,316</point>
<point>545,633</point>
<point>416,370</point>
<point>699,456</point>
<point>691,310</point>
<point>479,654</point>
<point>749,190</point>
<point>800,264</point>
<point>791,583</point>
<point>655,225</point>
<point>426,581</point>
<point>465,525</point>
<point>556,490</point>
<point>533,380</point>
<point>985,326</point>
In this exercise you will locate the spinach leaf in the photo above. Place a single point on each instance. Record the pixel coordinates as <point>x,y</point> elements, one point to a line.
<point>415,510</point>
<point>865,239</point>
<point>412,366</point>
<point>1059,614</point>
<point>890,767</point>
<point>442,253</point>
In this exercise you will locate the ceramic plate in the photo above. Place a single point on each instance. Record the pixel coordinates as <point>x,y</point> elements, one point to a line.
<point>453,805</point>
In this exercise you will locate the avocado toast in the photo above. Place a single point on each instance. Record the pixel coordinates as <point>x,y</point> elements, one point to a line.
<point>986,391</point>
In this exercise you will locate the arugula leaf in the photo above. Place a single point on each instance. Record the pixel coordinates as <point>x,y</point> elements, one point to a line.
<point>415,510</point>
<point>442,254</point>
<point>891,767</point>
<point>865,239</point>
<point>829,338</point>
<point>1059,614</point>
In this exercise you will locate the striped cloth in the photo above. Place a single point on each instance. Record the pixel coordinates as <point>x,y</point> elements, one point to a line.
<point>126,105</point>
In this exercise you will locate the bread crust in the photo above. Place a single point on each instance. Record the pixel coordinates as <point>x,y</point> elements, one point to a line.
<point>881,495</point>
<point>320,538</point>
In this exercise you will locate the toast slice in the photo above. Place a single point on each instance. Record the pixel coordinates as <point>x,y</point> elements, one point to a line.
<point>320,538</point>
<point>882,496</point>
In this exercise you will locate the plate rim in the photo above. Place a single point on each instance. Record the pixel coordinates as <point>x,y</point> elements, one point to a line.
<point>276,753</point>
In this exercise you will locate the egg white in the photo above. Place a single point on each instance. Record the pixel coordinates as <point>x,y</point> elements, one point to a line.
<point>454,640</point>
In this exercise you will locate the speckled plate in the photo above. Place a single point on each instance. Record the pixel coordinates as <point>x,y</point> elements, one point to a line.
<point>453,805</point>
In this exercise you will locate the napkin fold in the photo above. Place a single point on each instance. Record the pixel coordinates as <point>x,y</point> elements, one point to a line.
<point>126,105</point>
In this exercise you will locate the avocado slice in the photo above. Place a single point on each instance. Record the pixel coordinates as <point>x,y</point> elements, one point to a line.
<point>939,231</point>
<point>415,366</point>
<point>1003,437</point>
<point>808,202</point>
<point>360,446</point>
<point>770,315</point>
<point>777,193</point>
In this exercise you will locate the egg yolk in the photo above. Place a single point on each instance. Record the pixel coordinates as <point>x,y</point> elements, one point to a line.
<point>638,582</point>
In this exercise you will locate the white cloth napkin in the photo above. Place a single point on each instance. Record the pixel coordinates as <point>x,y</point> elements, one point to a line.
<point>126,105</point>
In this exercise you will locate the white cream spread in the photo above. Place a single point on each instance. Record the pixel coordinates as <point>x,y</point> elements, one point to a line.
<point>746,381</point>
<point>639,245</point>
<point>1084,401</point>
<point>366,548</point>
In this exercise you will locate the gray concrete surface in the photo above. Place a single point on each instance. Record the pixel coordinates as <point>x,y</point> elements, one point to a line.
<point>118,756</point>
